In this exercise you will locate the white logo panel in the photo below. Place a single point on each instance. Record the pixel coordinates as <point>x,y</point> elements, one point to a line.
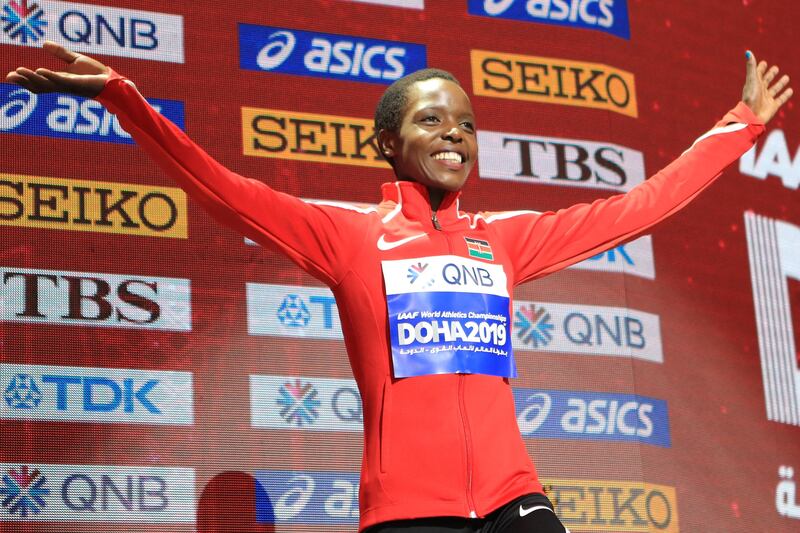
<point>42,392</point>
<point>553,161</point>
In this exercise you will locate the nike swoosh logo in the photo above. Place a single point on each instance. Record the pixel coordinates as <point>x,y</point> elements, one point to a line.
<point>525,512</point>
<point>385,245</point>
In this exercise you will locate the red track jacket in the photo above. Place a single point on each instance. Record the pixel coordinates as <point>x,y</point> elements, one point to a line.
<point>444,444</point>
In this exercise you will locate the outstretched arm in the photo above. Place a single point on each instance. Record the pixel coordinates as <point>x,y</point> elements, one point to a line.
<point>318,238</point>
<point>541,243</point>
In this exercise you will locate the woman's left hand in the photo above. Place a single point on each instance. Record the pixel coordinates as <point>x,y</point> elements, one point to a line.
<point>762,99</point>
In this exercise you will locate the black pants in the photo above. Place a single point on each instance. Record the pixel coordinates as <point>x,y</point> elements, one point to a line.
<point>528,514</point>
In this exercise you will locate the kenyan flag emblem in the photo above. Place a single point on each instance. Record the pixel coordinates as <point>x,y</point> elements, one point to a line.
<point>478,248</point>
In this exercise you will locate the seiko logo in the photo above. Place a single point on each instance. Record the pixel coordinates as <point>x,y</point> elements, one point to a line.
<point>552,80</point>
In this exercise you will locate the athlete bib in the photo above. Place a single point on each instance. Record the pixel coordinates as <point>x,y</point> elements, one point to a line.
<point>448,314</point>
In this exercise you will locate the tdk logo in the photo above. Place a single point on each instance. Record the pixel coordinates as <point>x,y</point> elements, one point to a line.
<point>610,16</point>
<point>39,392</point>
<point>70,117</point>
<point>93,29</point>
<point>327,55</point>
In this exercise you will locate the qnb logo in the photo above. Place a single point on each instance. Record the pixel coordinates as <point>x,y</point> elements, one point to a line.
<point>324,54</point>
<point>774,159</point>
<point>22,392</point>
<point>94,29</point>
<point>298,402</point>
<point>22,491</point>
<point>772,250</point>
<point>585,329</point>
<point>534,326</point>
<point>414,271</point>
<point>23,21</point>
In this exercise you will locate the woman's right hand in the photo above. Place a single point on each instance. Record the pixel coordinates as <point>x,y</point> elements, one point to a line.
<point>82,76</point>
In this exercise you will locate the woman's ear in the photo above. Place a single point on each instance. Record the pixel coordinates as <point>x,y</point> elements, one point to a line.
<point>387,142</point>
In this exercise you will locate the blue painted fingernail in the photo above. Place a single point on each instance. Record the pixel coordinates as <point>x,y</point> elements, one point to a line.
<point>748,54</point>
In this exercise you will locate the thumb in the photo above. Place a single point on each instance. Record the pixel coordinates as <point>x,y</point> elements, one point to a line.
<point>60,52</point>
<point>752,64</point>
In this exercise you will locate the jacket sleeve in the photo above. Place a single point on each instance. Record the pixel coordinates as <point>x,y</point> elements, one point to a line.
<point>542,243</point>
<point>319,238</point>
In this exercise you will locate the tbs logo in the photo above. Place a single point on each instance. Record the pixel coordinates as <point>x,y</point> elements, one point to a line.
<point>327,55</point>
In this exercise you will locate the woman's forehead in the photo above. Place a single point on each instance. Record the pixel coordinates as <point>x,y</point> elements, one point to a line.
<point>437,92</point>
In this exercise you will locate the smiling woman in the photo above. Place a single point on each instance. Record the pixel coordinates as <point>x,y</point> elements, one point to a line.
<point>423,288</point>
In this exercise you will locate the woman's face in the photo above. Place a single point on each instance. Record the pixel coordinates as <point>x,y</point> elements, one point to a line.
<point>436,144</point>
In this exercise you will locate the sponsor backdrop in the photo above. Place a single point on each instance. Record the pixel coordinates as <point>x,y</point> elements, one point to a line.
<point>160,373</point>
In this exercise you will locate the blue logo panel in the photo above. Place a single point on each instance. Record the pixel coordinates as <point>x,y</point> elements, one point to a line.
<point>450,332</point>
<point>69,117</point>
<point>327,55</point>
<point>576,415</point>
<point>610,16</point>
<point>305,497</point>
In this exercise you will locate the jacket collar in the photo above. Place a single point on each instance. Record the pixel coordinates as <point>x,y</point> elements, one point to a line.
<point>411,199</point>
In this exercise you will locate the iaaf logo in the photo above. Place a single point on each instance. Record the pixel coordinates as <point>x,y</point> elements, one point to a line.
<point>558,414</point>
<point>774,261</point>
<point>304,53</point>
<point>553,161</point>
<point>113,395</point>
<point>94,299</point>
<point>71,493</point>
<point>583,329</point>
<point>774,159</point>
<point>610,16</point>
<point>69,117</point>
<point>93,29</point>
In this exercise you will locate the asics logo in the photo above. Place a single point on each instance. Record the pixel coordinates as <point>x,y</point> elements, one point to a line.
<point>526,512</point>
<point>385,245</point>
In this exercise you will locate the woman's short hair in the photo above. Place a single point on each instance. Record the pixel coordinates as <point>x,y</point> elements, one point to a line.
<point>389,111</point>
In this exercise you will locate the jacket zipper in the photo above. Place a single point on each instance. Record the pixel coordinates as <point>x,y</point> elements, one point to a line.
<point>462,410</point>
<point>435,221</point>
<point>467,441</point>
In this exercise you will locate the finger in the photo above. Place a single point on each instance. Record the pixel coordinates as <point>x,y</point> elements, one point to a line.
<point>68,56</point>
<point>34,82</point>
<point>770,75</point>
<point>751,64</point>
<point>779,85</point>
<point>762,68</point>
<point>63,79</point>
<point>784,97</point>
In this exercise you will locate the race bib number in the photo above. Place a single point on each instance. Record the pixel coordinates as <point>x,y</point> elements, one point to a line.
<point>448,314</point>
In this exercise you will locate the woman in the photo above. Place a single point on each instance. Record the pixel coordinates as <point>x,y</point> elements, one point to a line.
<point>423,289</point>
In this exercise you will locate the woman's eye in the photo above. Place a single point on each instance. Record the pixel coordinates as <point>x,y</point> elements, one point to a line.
<point>468,125</point>
<point>431,119</point>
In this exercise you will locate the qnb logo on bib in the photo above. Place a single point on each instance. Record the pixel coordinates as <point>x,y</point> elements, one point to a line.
<point>327,55</point>
<point>448,314</point>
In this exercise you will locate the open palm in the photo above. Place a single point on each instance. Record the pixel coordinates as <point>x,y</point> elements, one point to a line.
<point>764,100</point>
<point>82,75</point>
